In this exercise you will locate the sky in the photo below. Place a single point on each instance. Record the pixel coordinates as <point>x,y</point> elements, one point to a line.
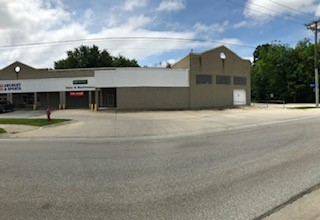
<point>39,32</point>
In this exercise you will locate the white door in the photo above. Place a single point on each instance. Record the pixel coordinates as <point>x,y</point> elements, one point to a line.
<point>239,97</point>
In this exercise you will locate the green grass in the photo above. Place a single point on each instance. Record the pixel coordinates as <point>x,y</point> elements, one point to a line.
<point>2,131</point>
<point>31,121</point>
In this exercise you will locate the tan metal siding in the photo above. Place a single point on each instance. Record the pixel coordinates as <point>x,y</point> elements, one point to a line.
<point>152,98</point>
<point>183,63</point>
<point>210,63</point>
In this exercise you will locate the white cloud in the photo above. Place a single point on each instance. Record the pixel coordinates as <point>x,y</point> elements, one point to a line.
<point>88,14</point>
<point>249,58</point>
<point>40,22</point>
<point>171,5</point>
<point>33,21</point>
<point>130,5</point>
<point>130,35</point>
<point>240,24</point>
<point>209,31</point>
<point>229,42</point>
<point>112,21</point>
<point>164,64</point>
<point>138,21</point>
<point>34,13</point>
<point>153,42</point>
<point>261,9</point>
<point>318,11</point>
<point>247,24</point>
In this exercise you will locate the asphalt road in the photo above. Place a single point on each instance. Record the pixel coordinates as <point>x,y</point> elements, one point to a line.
<point>233,175</point>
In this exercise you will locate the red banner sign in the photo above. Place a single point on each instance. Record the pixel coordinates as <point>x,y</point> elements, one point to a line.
<point>76,93</point>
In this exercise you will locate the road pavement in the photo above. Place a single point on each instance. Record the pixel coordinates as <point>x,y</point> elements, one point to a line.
<point>237,174</point>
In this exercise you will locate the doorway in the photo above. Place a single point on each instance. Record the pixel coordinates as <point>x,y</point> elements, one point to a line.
<point>108,98</point>
<point>239,97</point>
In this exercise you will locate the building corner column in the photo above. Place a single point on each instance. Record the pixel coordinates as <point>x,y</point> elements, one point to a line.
<point>90,100</point>
<point>97,103</point>
<point>10,97</point>
<point>35,101</point>
<point>62,97</point>
<point>64,102</point>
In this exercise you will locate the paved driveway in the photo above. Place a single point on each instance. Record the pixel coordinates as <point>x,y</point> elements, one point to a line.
<point>156,123</point>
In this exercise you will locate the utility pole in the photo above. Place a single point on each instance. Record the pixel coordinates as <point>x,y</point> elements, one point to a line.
<point>314,26</point>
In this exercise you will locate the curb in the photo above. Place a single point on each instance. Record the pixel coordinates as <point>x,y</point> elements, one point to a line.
<point>290,201</point>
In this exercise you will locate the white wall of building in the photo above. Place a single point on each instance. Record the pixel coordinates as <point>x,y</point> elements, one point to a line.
<point>46,85</point>
<point>141,77</point>
<point>113,78</point>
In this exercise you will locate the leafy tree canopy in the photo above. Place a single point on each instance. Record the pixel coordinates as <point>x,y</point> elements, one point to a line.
<point>286,72</point>
<point>86,57</point>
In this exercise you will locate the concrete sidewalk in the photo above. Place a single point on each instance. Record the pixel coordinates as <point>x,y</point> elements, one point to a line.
<point>161,123</point>
<point>305,208</point>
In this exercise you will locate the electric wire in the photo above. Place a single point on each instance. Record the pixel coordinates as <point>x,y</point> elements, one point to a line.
<point>295,17</point>
<point>243,6</point>
<point>302,12</point>
<point>121,38</point>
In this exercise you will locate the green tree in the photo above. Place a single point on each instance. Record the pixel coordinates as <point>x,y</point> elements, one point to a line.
<point>86,57</point>
<point>283,71</point>
<point>303,73</point>
<point>121,61</point>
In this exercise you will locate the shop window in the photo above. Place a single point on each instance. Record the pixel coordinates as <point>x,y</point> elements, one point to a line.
<point>239,80</point>
<point>225,80</point>
<point>203,79</point>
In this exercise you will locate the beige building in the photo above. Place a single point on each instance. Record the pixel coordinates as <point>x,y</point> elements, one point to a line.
<point>215,78</point>
<point>218,77</point>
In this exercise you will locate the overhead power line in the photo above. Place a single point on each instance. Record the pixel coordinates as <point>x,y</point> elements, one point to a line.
<point>277,17</point>
<point>122,38</point>
<point>281,13</point>
<point>293,9</point>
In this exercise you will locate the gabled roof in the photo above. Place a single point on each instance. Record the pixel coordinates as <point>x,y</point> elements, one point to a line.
<point>17,63</point>
<point>219,48</point>
<point>211,50</point>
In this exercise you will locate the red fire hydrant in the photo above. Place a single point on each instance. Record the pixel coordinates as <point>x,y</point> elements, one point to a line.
<point>48,113</point>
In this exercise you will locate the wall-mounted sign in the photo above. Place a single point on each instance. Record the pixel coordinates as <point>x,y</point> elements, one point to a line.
<point>76,93</point>
<point>10,87</point>
<point>80,87</point>
<point>80,82</point>
<point>47,85</point>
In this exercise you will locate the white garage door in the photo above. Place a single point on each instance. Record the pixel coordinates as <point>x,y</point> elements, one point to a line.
<point>239,97</point>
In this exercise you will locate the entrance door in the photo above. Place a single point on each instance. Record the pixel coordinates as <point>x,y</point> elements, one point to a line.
<point>109,98</point>
<point>23,100</point>
<point>239,97</point>
<point>77,99</point>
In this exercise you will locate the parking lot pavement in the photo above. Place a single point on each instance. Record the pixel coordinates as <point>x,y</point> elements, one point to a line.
<point>23,114</point>
<point>156,123</point>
